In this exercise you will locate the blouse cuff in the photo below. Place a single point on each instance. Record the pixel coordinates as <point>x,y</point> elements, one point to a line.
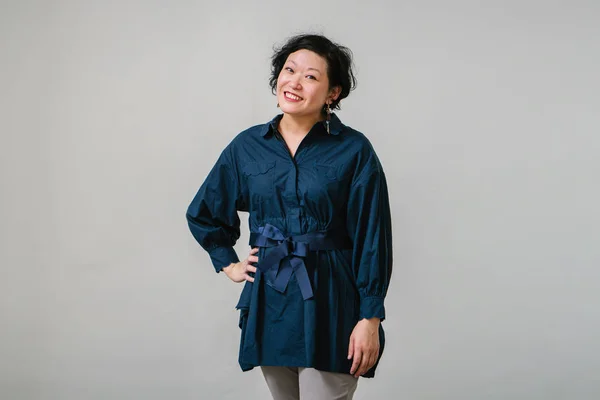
<point>371,307</point>
<point>223,257</point>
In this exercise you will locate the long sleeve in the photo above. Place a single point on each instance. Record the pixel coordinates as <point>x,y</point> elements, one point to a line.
<point>370,227</point>
<point>212,215</point>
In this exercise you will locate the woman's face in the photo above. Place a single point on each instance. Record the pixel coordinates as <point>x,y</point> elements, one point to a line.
<point>303,85</point>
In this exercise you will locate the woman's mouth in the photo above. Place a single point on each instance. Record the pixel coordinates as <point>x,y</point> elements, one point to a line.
<point>291,97</point>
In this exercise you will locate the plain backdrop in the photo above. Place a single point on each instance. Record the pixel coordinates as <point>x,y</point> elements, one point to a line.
<point>485,116</point>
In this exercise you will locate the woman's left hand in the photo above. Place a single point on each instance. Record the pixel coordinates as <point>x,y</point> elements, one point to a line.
<point>364,346</point>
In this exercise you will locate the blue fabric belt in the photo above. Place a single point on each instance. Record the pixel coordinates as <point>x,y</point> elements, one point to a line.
<point>285,254</point>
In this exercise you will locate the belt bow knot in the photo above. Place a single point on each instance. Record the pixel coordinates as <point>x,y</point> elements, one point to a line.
<point>285,254</point>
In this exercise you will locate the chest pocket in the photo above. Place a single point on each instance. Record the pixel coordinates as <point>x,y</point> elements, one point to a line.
<point>325,179</point>
<point>325,173</point>
<point>259,177</point>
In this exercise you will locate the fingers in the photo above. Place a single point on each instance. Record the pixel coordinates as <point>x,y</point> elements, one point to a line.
<point>249,268</point>
<point>252,257</point>
<point>252,253</point>
<point>364,365</point>
<point>373,360</point>
<point>357,358</point>
<point>351,347</point>
<point>368,364</point>
<point>363,359</point>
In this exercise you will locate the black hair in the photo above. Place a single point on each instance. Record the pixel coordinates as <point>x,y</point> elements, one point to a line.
<point>339,62</point>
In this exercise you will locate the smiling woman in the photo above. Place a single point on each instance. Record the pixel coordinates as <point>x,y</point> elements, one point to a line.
<point>320,230</point>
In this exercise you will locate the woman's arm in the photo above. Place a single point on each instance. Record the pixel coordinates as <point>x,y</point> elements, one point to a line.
<point>212,215</point>
<point>369,225</point>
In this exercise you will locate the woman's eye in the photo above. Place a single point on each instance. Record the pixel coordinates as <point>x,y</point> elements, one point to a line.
<point>311,77</point>
<point>289,69</point>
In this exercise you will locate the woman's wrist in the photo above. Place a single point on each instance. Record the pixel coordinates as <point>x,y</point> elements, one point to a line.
<point>227,268</point>
<point>374,320</point>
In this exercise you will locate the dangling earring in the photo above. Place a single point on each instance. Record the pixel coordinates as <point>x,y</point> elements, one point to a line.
<point>277,105</point>
<point>328,112</point>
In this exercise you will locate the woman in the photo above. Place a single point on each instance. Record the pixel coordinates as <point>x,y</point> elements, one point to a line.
<point>320,231</point>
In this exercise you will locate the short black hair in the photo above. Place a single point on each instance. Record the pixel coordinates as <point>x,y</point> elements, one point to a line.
<point>339,62</point>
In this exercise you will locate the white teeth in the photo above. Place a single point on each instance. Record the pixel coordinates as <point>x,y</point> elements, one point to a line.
<point>291,96</point>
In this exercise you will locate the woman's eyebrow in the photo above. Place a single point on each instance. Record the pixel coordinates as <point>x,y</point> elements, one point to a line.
<point>309,68</point>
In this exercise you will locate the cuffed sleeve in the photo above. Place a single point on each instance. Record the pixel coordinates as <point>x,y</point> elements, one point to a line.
<point>212,215</point>
<point>372,306</point>
<point>370,227</point>
<point>223,256</point>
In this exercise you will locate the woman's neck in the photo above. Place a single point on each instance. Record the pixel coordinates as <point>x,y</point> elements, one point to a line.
<point>298,126</point>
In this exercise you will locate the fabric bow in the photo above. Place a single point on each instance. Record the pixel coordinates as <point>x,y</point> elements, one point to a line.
<point>284,256</point>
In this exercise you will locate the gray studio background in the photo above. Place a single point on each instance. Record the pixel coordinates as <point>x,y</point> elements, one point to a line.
<point>484,114</point>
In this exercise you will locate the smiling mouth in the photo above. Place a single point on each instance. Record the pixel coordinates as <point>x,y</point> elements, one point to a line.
<point>291,96</point>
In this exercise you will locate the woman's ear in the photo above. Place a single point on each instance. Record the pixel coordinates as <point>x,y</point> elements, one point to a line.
<point>334,93</point>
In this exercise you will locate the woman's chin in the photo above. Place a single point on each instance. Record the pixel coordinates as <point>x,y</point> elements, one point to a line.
<point>293,111</point>
<point>288,107</point>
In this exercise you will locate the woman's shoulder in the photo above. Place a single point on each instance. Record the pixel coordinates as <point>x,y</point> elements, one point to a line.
<point>365,157</point>
<point>253,131</point>
<point>358,140</point>
<point>242,141</point>
<point>241,138</point>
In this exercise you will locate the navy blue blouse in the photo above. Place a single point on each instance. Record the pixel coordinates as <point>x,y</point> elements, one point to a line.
<point>322,222</point>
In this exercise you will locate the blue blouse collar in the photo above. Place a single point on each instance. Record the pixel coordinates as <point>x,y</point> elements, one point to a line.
<point>335,125</point>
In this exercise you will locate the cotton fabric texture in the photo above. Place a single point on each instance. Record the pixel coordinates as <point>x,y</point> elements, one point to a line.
<point>334,185</point>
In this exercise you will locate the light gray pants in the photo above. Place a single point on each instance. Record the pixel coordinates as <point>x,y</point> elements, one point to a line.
<point>291,383</point>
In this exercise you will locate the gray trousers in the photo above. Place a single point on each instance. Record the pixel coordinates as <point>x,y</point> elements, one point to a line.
<point>297,383</point>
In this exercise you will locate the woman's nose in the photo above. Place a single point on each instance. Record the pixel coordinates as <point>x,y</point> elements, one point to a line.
<point>295,82</point>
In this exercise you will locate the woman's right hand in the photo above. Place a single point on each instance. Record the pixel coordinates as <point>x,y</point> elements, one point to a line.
<point>238,272</point>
